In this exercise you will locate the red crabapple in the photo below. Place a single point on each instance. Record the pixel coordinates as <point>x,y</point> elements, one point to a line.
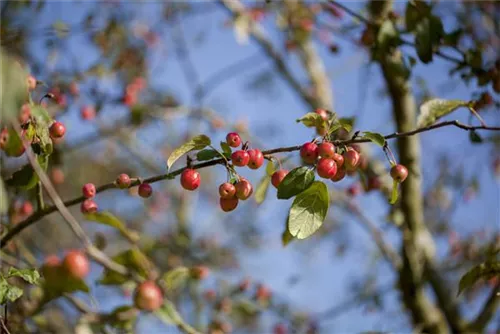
<point>351,159</point>
<point>148,296</point>
<point>240,158</point>
<point>190,179</point>
<point>57,130</point>
<point>227,190</point>
<point>87,113</point>
<point>123,181</point>
<point>339,175</point>
<point>89,190</point>
<point>256,159</point>
<point>339,159</point>
<point>76,264</point>
<point>88,206</point>
<point>199,272</point>
<point>278,176</point>
<point>244,189</point>
<point>326,168</point>
<point>228,204</point>
<point>399,173</point>
<point>326,150</point>
<point>323,113</point>
<point>233,139</point>
<point>31,82</point>
<point>309,152</point>
<point>145,190</point>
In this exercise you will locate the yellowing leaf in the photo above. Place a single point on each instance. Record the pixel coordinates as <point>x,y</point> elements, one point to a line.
<point>109,219</point>
<point>261,190</point>
<point>434,109</point>
<point>196,143</point>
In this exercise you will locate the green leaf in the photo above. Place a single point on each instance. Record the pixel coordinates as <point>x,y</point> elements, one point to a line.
<point>387,36</point>
<point>8,292</point>
<point>107,218</point>
<point>168,314</point>
<point>347,123</point>
<point>14,87</point>
<point>295,182</point>
<point>207,155</point>
<point>133,259</point>
<point>29,275</point>
<point>475,137</point>
<point>428,36</point>
<point>26,178</point>
<point>176,278</point>
<point>376,138</point>
<point>226,149</point>
<point>434,109</point>
<point>54,287</point>
<point>42,122</point>
<point>394,193</point>
<point>4,199</point>
<point>308,211</point>
<point>485,270</point>
<point>270,168</point>
<point>14,144</point>
<point>311,119</point>
<point>123,317</point>
<point>286,236</point>
<point>196,143</point>
<point>415,12</point>
<point>261,190</point>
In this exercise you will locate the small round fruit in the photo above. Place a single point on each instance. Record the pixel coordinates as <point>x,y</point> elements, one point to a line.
<point>228,204</point>
<point>354,189</point>
<point>123,181</point>
<point>31,82</point>
<point>351,159</point>
<point>374,183</point>
<point>233,139</point>
<point>89,190</point>
<point>25,113</point>
<point>339,159</point>
<point>240,158</point>
<point>277,177</point>
<point>244,285</point>
<point>148,296</point>
<point>27,208</point>
<point>339,175</point>
<point>57,175</point>
<point>262,293</point>
<point>76,264</point>
<point>326,150</point>
<point>4,138</point>
<point>326,168</point>
<point>227,190</point>
<point>87,113</point>
<point>256,159</point>
<point>309,152</point>
<point>145,190</point>
<point>280,329</point>
<point>57,130</point>
<point>244,189</point>
<point>50,268</point>
<point>199,272</point>
<point>399,173</point>
<point>190,179</point>
<point>88,206</point>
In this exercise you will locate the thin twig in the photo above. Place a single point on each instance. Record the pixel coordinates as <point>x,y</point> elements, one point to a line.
<point>48,210</point>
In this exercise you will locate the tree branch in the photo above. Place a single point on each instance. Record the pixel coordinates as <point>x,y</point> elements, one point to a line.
<point>50,209</point>
<point>487,312</point>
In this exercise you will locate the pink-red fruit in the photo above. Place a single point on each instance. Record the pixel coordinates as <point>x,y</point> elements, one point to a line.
<point>339,175</point>
<point>123,181</point>
<point>277,177</point>
<point>89,190</point>
<point>190,179</point>
<point>31,82</point>
<point>244,189</point>
<point>148,296</point>
<point>256,159</point>
<point>76,264</point>
<point>87,113</point>
<point>323,113</point>
<point>199,272</point>
<point>399,173</point>
<point>233,139</point>
<point>326,150</point>
<point>309,152</point>
<point>326,168</point>
<point>339,159</point>
<point>240,158</point>
<point>57,130</point>
<point>227,190</point>
<point>145,190</point>
<point>88,206</point>
<point>228,204</point>
<point>351,159</point>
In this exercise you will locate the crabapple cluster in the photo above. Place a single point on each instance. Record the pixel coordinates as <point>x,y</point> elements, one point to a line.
<point>75,264</point>
<point>89,205</point>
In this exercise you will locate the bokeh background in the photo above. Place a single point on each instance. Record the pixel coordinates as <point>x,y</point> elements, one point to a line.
<point>204,74</point>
